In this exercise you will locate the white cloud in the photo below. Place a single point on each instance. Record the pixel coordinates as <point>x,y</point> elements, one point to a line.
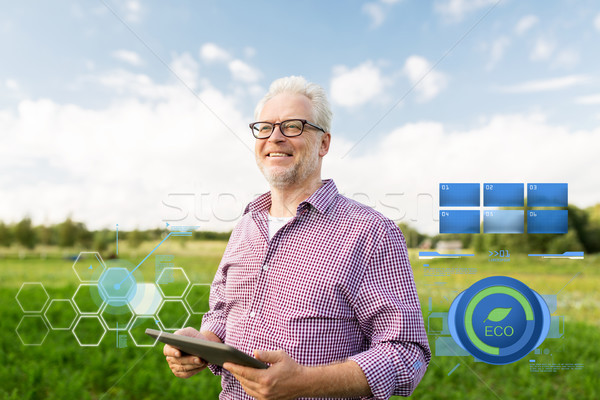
<point>357,86</point>
<point>210,52</point>
<point>12,84</point>
<point>429,83</point>
<point>375,13</point>
<point>117,164</point>
<point>249,51</point>
<point>498,48</point>
<point>597,22</point>
<point>542,50</point>
<point>391,1</point>
<point>476,154</point>
<point>243,72</point>
<point>158,144</point>
<point>525,24</point>
<point>593,99</point>
<point>567,58</point>
<point>134,10</point>
<point>545,85</point>
<point>128,56</point>
<point>456,10</point>
<point>186,69</point>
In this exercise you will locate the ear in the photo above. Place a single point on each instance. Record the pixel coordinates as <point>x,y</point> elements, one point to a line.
<point>325,141</point>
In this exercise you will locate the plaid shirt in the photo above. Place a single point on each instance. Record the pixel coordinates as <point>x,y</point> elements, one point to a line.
<point>334,283</point>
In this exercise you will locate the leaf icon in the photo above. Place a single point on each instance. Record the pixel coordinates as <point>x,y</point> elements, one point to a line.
<point>498,314</point>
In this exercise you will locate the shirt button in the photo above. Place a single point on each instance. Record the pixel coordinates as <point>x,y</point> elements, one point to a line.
<point>252,314</point>
<point>265,267</point>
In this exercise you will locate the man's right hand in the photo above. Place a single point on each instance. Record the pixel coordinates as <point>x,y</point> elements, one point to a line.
<point>186,366</point>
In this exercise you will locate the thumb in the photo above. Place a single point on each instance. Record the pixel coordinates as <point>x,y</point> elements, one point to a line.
<point>270,357</point>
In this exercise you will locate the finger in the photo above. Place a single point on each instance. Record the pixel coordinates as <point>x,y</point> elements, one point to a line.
<point>251,391</point>
<point>188,331</point>
<point>186,367</point>
<point>192,360</point>
<point>234,369</point>
<point>270,357</point>
<point>250,387</point>
<point>171,351</point>
<point>185,375</point>
<point>247,373</point>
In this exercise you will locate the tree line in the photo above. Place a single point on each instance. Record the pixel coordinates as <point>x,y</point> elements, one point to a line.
<point>583,235</point>
<point>71,233</point>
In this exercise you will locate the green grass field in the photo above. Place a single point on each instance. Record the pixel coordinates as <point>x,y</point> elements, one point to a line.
<point>61,369</point>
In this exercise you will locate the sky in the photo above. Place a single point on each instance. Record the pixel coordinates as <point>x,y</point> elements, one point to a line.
<point>135,112</point>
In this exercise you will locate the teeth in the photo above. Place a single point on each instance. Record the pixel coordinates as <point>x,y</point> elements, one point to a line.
<point>278,155</point>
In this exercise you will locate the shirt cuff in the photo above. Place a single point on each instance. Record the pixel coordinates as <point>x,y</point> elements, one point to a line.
<point>215,327</point>
<point>219,330</point>
<point>379,368</point>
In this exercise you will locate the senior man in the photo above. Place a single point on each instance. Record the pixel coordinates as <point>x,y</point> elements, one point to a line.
<point>315,284</point>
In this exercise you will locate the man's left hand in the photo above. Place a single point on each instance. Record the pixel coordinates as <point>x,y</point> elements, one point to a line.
<point>282,380</point>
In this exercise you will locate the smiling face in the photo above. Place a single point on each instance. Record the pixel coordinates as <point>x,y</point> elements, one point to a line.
<point>287,161</point>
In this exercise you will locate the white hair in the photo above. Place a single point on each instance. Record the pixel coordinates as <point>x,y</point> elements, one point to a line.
<point>299,85</point>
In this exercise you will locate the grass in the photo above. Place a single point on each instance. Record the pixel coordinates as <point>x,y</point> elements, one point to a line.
<point>60,368</point>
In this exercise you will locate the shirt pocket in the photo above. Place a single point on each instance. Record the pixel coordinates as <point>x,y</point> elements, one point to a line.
<point>240,284</point>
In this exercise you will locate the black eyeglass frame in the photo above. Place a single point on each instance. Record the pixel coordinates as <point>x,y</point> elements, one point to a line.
<point>304,123</point>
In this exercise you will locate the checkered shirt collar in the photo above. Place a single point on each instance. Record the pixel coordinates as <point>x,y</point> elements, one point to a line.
<point>321,199</point>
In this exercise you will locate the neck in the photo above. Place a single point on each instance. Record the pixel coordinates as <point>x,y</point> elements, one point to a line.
<point>285,200</point>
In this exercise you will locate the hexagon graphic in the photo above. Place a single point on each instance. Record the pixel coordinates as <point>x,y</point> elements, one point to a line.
<point>60,314</point>
<point>32,297</point>
<point>173,314</point>
<point>89,266</point>
<point>87,299</point>
<point>146,300</point>
<point>195,321</point>
<point>117,285</point>
<point>89,330</point>
<point>172,282</point>
<point>32,330</point>
<point>117,316</point>
<point>138,330</point>
<point>197,298</point>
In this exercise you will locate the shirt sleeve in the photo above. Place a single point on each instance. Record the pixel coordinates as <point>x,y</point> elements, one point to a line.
<point>389,313</point>
<point>215,320</point>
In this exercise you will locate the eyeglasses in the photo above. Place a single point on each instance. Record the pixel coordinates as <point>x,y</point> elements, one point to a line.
<point>289,128</point>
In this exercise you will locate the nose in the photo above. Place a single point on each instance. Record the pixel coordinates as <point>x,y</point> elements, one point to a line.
<point>277,135</point>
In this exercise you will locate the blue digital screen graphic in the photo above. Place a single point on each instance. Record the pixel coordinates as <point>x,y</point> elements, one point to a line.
<point>503,195</point>
<point>547,195</point>
<point>459,194</point>
<point>459,221</point>
<point>504,221</point>
<point>547,221</point>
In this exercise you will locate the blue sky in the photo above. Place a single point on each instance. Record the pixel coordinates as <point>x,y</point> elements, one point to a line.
<point>111,110</point>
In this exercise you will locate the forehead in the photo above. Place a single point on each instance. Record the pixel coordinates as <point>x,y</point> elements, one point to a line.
<point>285,106</point>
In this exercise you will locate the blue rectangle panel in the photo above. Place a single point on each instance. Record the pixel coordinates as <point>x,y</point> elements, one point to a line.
<point>547,221</point>
<point>459,194</point>
<point>504,221</point>
<point>459,221</point>
<point>547,195</point>
<point>503,195</point>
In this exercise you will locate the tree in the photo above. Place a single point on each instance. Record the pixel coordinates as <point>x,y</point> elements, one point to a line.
<point>67,233</point>
<point>45,235</point>
<point>412,236</point>
<point>25,234</point>
<point>135,238</point>
<point>6,236</point>
<point>102,239</point>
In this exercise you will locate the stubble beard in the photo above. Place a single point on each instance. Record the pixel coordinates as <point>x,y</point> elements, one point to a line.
<point>280,177</point>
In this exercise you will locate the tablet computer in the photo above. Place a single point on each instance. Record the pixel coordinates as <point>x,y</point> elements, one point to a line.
<point>212,352</point>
